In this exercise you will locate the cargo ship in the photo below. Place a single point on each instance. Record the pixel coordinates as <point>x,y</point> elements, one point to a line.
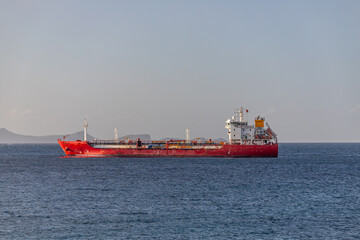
<point>245,140</point>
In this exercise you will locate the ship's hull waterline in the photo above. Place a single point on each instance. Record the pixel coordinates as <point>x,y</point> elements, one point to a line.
<point>85,149</point>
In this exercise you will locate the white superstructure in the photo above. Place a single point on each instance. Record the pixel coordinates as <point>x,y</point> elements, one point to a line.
<point>238,127</point>
<point>240,131</point>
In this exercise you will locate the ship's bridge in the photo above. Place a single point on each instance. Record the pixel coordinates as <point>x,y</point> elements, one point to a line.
<point>240,132</point>
<point>238,128</point>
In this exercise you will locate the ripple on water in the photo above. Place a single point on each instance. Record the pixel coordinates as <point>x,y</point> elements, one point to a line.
<point>311,191</point>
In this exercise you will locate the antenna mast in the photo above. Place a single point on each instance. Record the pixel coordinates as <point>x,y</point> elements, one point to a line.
<point>239,115</point>
<point>85,130</point>
<point>116,134</point>
<point>187,135</point>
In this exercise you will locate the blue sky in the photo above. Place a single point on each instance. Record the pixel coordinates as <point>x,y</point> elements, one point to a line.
<point>160,67</point>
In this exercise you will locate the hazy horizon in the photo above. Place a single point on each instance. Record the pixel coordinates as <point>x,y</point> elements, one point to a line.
<point>81,132</point>
<point>159,67</point>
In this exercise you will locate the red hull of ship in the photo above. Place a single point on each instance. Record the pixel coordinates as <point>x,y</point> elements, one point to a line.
<point>83,149</point>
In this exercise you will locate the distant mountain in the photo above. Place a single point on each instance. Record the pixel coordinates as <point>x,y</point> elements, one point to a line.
<point>9,137</point>
<point>80,135</point>
<point>135,137</point>
<point>220,140</point>
<point>170,138</point>
<point>77,136</point>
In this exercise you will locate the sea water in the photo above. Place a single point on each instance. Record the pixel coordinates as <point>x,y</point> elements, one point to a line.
<point>311,191</point>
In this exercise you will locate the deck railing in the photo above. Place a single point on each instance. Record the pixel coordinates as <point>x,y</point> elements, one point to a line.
<point>181,142</point>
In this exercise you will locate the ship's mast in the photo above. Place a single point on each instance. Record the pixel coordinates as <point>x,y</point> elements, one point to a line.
<point>85,130</point>
<point>116,134</point>
<point>239,115</point>
<point>187,135</point>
